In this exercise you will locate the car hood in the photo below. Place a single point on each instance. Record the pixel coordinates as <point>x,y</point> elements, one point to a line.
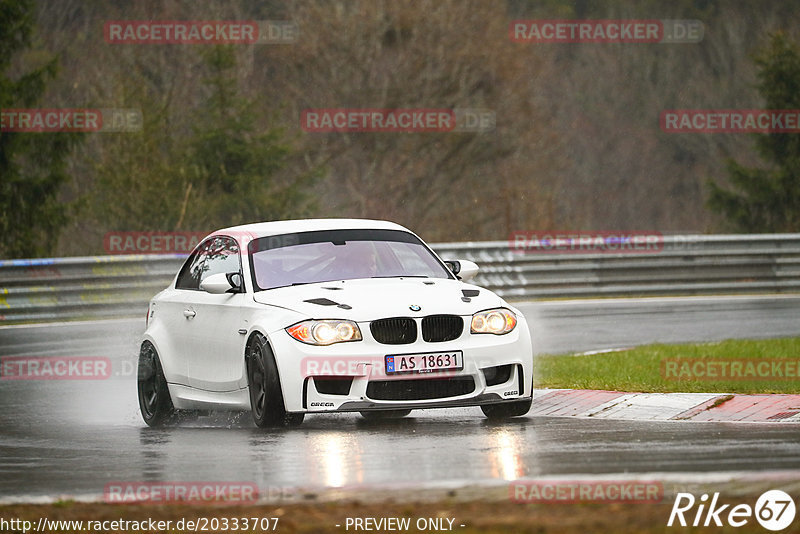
<point>365,300</point>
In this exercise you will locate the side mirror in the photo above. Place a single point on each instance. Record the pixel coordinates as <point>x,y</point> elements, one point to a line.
<point>220,283</point>
<point>236,282</point>
<point>463,269</point>
<point>453,265</point>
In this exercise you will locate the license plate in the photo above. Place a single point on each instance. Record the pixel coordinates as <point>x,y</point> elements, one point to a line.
<point>426,362</point>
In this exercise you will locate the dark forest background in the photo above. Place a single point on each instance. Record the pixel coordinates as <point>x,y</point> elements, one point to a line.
<point>577,144</point>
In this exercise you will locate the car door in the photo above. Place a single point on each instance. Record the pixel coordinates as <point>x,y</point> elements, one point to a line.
<point>172,310</point>
<point>212,344</point>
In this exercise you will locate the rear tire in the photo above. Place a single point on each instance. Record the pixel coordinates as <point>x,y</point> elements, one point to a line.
<point>507,410</point>
<point>385,414</point>
<point>266,398</point>
<point>154,400</point>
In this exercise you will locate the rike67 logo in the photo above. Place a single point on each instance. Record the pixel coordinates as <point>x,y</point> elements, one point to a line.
<point>774,510</point>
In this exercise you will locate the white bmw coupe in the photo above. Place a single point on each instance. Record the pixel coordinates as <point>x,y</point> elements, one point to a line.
<point>330,315</point>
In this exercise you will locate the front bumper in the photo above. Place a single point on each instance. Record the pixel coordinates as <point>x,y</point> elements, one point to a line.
<point>348,377</point>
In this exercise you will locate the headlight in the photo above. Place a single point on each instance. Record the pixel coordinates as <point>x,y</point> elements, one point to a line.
<point>498,321</point>
<point>325,332</point>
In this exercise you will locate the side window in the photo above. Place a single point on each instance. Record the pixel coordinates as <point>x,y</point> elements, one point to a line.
<point>222,256</point>
<point>189,277</point>
<point>216,255</point>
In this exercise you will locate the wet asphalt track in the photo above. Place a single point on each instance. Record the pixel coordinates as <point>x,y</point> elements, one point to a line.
<point>73,438</point>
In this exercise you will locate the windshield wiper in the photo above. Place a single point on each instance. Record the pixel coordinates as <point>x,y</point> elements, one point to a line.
<point>403,276</point>
<point>287,285</point>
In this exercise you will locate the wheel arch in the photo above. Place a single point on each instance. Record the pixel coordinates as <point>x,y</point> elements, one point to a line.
<point>278,401</point>
<point>169,367</point>
<point>252,335</point>
<point>147,338</point>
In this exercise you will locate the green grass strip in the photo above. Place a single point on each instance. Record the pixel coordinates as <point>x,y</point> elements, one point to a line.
<point>733,366</point>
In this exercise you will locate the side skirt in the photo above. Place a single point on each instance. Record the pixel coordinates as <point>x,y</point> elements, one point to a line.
<point>188,398</point>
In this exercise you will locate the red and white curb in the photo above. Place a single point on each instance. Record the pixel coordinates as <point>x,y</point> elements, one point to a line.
<point>777,408</point>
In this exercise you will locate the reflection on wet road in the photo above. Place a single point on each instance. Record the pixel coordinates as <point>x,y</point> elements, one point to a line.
<point>74,437</point>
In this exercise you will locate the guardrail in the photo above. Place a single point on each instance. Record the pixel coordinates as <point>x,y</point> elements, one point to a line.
<point>119,286</point>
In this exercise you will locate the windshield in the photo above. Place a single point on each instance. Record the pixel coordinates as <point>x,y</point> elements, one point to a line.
<point>325,256</point>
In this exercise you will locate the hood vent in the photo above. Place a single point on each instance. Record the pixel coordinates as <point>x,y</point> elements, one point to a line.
<point>328,302</point>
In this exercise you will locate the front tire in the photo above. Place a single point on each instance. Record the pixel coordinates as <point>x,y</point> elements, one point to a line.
<point>154,400</point>
<point>507,410</point>
<point>266,398</point>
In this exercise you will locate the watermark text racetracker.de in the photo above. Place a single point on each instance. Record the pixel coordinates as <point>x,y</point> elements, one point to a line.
<point>178,242</point>
<point>55,368</point>
<point>376,367</point>
<point>730,369</point>
<point>211,32</point>
<point>575,491</point>
<point>597,242</point>
<point>763,121</point>
<point>193,492</point>
<point>402,120</point>
<point>151,242</point>
<point>53,120</point>
<point>627,31</point>
<point>69,368</point>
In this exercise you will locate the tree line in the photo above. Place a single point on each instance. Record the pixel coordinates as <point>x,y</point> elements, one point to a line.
<point>576,143</point>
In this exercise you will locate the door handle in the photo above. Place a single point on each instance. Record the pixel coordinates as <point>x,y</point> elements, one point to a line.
<point>189,313</point>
